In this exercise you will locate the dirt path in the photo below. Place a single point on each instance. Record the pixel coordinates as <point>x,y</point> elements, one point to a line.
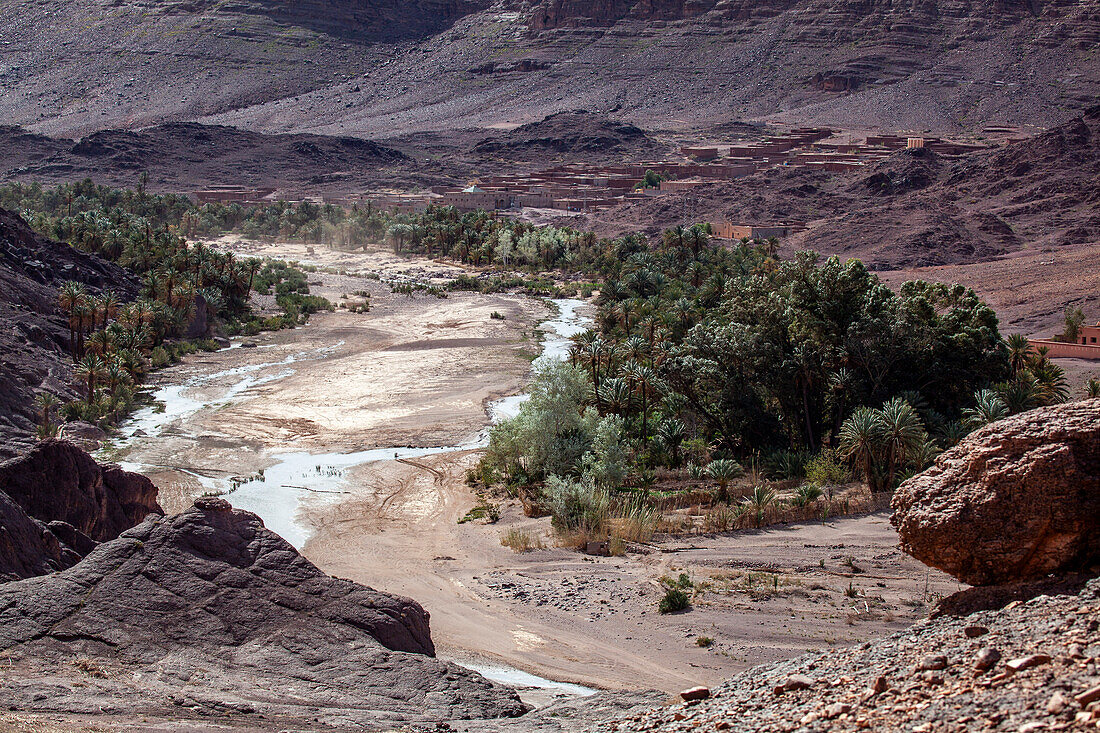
<point>592,620</point>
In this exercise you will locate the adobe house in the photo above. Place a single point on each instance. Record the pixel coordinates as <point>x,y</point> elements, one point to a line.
<point>1087,345</point>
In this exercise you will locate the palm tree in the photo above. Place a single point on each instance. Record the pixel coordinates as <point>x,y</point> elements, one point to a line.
<point>1018,349</point>
<point>671,433</point>
<point>724,471</point>
<point>109,303</point>
<point>47,403</point>
<point>1050,382</point>
<point>860,437</point>
<point>89,370</point>
<point>71,296</point>
<point>988,407</point>
<point>902,434</point>
<point>1092,388</point>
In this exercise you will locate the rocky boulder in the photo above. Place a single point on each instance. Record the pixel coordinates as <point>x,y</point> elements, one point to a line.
<point>209,613</point>
<point>27,546</point>
<point>1014,501</point>
<point>57,481</point>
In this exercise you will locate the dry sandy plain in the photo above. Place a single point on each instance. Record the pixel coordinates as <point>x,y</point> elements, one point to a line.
<point>419,371</point>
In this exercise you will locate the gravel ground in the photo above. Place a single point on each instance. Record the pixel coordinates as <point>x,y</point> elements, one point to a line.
<point>1041,659</point>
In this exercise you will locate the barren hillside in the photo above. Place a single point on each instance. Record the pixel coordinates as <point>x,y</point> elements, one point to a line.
<point>378,68</point>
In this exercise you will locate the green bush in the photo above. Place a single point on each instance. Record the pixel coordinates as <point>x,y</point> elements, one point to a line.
<point>674,600</point>
<point>827,468</point>
<point>160,358</point>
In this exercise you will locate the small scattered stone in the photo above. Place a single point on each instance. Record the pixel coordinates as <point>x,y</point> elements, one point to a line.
<point>695,693</point>
<point>973,632</point>
<point>881,685</point>
<point>932,678</point>
<point>1076,651</point>
<point>797,682</point>
<point>1021,663</point>
<point>987,659</point>
<point>723,725</point>
<point>1088,696</point>
<point>934,662</point>
<point>1057,703</point>
<point>837,709</point>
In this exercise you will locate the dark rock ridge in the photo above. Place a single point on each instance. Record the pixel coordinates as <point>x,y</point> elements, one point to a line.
<point>207,155</point>
<point>34,348</point>
<point>1014,501</point>
<point>362,21</point>
<point>57,504</point>
<point>570,132</point>
<point>208,612</point>
<point>56,481</point>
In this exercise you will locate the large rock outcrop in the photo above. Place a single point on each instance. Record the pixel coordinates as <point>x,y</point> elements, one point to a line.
<point>208,612</point>
<point>56,481</point>
<point>1014,501</point>
<point>57,504</point>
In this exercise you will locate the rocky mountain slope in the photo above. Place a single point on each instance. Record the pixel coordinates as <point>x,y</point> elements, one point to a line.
<point>915,208</point>
<point>34,348</point>
<point>57,504</point>
<point>378,68</point>
<point>1029,667</point>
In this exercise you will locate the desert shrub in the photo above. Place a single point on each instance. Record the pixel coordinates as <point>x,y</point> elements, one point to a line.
<point>806,495</point>
<point>496,316</point>
<point>673,600</point>
<point>786,464</point>
<point>760,503</point>
<point>635,521</point>
<point>577,504</point>
<point>160,358</point>
<point>724,517</point>
<point>827,469</point>
<point>520,540</point>
<point>704,641</point>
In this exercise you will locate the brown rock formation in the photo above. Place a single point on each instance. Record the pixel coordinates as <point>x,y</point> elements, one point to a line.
<point>1014,501</point>
<point>57,504</point>
<point>56,481</point>
<point>211,597</point>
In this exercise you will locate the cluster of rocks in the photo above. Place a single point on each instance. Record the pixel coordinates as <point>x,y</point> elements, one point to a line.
<point>1029,667</point>
<point>589,595</point>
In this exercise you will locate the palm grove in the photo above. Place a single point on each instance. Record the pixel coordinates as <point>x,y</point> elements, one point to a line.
<point>709,359</point>
<point>114,343</point>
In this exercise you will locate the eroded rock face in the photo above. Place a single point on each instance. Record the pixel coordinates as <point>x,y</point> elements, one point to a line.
<point>57,481</point>
<point>1014,501</point>
<point>211,596</point>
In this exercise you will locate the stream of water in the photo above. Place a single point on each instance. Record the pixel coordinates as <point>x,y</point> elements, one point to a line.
<point>280,492</point>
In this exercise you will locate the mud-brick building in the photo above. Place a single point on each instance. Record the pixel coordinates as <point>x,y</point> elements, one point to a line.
<point>1087,345</point>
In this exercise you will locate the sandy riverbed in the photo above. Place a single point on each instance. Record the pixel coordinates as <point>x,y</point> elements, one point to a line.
<point>419,372</point>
